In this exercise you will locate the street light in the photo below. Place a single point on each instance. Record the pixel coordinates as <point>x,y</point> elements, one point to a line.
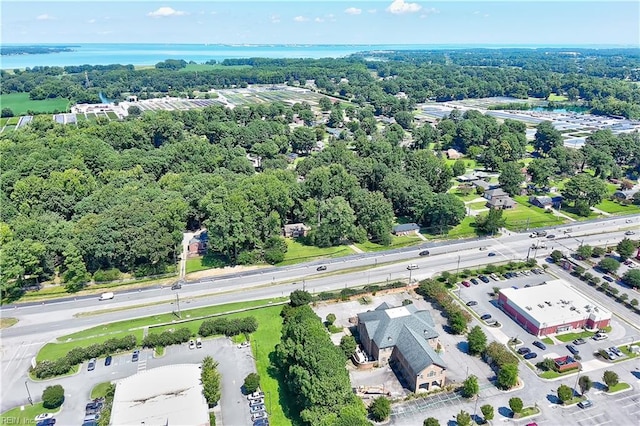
<point>28,393</point>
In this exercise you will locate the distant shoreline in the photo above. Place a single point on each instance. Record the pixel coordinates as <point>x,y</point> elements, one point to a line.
<point>36,49</point>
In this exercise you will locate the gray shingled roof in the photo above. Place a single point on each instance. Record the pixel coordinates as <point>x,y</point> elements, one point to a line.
<point>405,227</point>
<point>417,352</point>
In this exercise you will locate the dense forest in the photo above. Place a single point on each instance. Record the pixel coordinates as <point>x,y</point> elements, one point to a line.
<point>604,80</point>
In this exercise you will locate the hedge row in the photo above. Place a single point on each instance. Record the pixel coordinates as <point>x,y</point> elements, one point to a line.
<point>346,293</point>
<point>228,327</point>
<point>75,356</point>
<point>167,338</point>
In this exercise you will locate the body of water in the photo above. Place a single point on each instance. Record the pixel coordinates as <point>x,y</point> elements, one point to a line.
<point>151,54</point>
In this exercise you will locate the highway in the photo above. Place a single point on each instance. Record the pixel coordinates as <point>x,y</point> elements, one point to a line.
<point>39,323</point>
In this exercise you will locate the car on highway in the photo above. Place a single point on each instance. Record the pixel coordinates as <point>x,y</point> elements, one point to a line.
<point>550,236</point>
<point>579,341</point>
<point>483,278</point>
<point>412,266</point>
<point>135,356</point>
<point>607,278</point>
<point>539,344</point>
<point>466,283</point>
<point>585,404</point>
<point>107,360</point>
<point>321,268</point>
<point>176,286</point>
<point>472,303</point>
<point>424,253</point>
<point>474,281</point>
<point>530,355</point>
<point>523,351</point>
<point>92,364</point>
<point>192,344</point>
<point>629,233</point>
<point>491,253</point>
<point>573,349</point>
<point>485,317</point>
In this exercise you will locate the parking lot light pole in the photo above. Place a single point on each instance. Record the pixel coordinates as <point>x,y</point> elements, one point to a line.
<point>26,385</point>
<point>577,378</point>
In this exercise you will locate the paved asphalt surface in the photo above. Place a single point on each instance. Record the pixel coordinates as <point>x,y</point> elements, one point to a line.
<point>43,322</point>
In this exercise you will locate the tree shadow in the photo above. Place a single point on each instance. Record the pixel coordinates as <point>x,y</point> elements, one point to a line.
<point>286,398</point>
<point>452,423</point>
<point>463,347</point>
<point>636,374</point>
<point>601,386</point>
<point>215,260</point>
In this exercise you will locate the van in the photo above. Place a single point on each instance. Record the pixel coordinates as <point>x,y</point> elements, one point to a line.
<point>412,267</point>
<point>106,296</point>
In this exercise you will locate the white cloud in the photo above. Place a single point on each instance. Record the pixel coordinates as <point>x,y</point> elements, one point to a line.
<point>45,17</point>
<point>91,21</point>
<point>300,19</point>
<point>400,6</point>
<point>165,11</point>
<point>275,19</point>
<point>353,11</point>
<point>319,20</point>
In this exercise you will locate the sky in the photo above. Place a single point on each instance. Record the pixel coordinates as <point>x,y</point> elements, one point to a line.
<point>506,22</point>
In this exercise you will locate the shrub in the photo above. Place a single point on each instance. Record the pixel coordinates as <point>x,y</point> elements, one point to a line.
<point>487,412</point>
<point>380,409</point>
<point>565,393</point>
<point>299,298</point>
<point>516,405</point>
<point>107,275</point>
<point>167,338</point>
<point>228,327</point>
<point>53,396</point>
<point>610,378</point>
<point>348,346</point>
<point>251,382</point>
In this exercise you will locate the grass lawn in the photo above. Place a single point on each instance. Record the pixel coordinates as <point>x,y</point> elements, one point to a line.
<point>477,206</point>
<point>557,98</point>
<point>464,229</point>
<point>53,351</point>
<point>574,400</point>
<point>396,242</point>
<point>208,261</point>
<point>16,416</point>
<point>528,411</point>
<point>13,121</point>
<point>617,208</point>
<point>469,162</point>
<point>627,352</point>
<point>20,103</point>
<point>617,388</point>
<point>298,252</point>
<point>112,115</point>
<point>572,213</point>
<point>554,374</point>
<point>547,340</point>
<point>465,197</point>
<point>100,390</point>
<point>521,217</point>
<point>7,322</point>
<point>3,121</point>
<point>568,337</point>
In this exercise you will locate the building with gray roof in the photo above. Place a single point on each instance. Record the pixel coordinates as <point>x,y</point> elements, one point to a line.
<point>403,338</point>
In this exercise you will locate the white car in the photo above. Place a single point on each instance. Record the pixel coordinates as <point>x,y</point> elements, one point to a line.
<point>258,401</point>
<point>199,343</point>
<point>192,344</point>
<point>244,345</point>
<point>256,395</point>
<point>629,233</point>
<point>43,416</point>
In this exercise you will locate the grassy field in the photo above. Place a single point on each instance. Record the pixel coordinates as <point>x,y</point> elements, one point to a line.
<point>53,351</point>
<point>298,252</point>
<point>572,213</point>
<point>7,322</point>
<point>522,216</point>
<point>477,206</point>
<point>208,261</point>
<point>396,242</point>
<point>466,197</point>
<point>617,388</point>
<point>617,208</point>
<point>547,340</point>
<point>463,230</point>
<point>100,390</point>
<point>568,337</point>
<point>16,416</point>
<point>557,98</point>
<point>20,103</point>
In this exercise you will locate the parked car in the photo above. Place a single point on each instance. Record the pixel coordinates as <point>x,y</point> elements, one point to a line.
<point>259,415</point>
<point>539,344</point>
<point>607,278</point>
<point>585,404</point>
<point>523,351</point>
<point>530,355</point>
<point>600,336</point>
<point>321,268</point>
<point>424,253</point>
<point>244,345</point>
<point>573,349</point>
<point>474,281</point>
<point>472,303</point>
<point>92,364</point>
<point>107,360</point>
<point>43,416</point>
<point>466,283</point>
<point>485,317</point>
<point>93,406</point>
<point>616,351</point>
<point>579,341</point>
<point>46,422</point>
<point>491,253</point>
<point>198,343</point>
<point>256,395</point>
<point>258,401</point>
<point>483,278</point>
<point>91,417</point>
<point>495,277</point>
<point>135,356</point>
<point>90,423</point>
<point>261,422</point>
<point>257,408</point>
<point>192,344</point>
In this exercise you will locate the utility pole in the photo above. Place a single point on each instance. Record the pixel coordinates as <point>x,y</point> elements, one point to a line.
<point>26,385</point>
<point>178,305</point>
<point>458,268</point>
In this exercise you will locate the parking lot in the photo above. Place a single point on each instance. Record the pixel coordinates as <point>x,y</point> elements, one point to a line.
<point>234,365</point>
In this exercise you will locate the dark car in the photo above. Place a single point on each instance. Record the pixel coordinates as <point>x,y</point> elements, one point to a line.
<point>261,422</point>
<point>540,345</point>
<point>46,422</point>
<point>530,355</point>
<point>580,341</point>
<point>551,236</point>
<point>491,253</point>
<point>466,283</point>
<point>472,303</point>
<point>524,351</point>
<point>573,349</point>
<point>93,406</point>
<point>424,253</point>
<point>176,286</point>
<point>92,364</point>
<point>485,317</point>
<point>321,268</point>
<point>483,278</point>
<point>607,278</point>
<point>135,356</point>
<point>107,361</point>
<point>474,281</point>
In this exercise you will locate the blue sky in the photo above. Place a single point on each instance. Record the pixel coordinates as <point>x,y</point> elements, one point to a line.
<point>541,22</point>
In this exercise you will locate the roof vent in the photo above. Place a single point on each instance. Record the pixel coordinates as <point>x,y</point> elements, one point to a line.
<point>389,338</point>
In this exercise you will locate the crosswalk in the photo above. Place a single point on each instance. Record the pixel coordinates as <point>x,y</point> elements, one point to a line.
<point>142,364</point>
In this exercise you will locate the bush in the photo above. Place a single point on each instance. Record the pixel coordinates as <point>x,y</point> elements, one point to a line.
<point>565,393</point>
<point>516,405</point>
<point>107,275</point>
<point>53,396</point>
<point>167,338</point>
<point>299,298</point>
<point>251,382</point>
<point>380,409</point>
<point>228,327</point>
<point>348,346</point>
